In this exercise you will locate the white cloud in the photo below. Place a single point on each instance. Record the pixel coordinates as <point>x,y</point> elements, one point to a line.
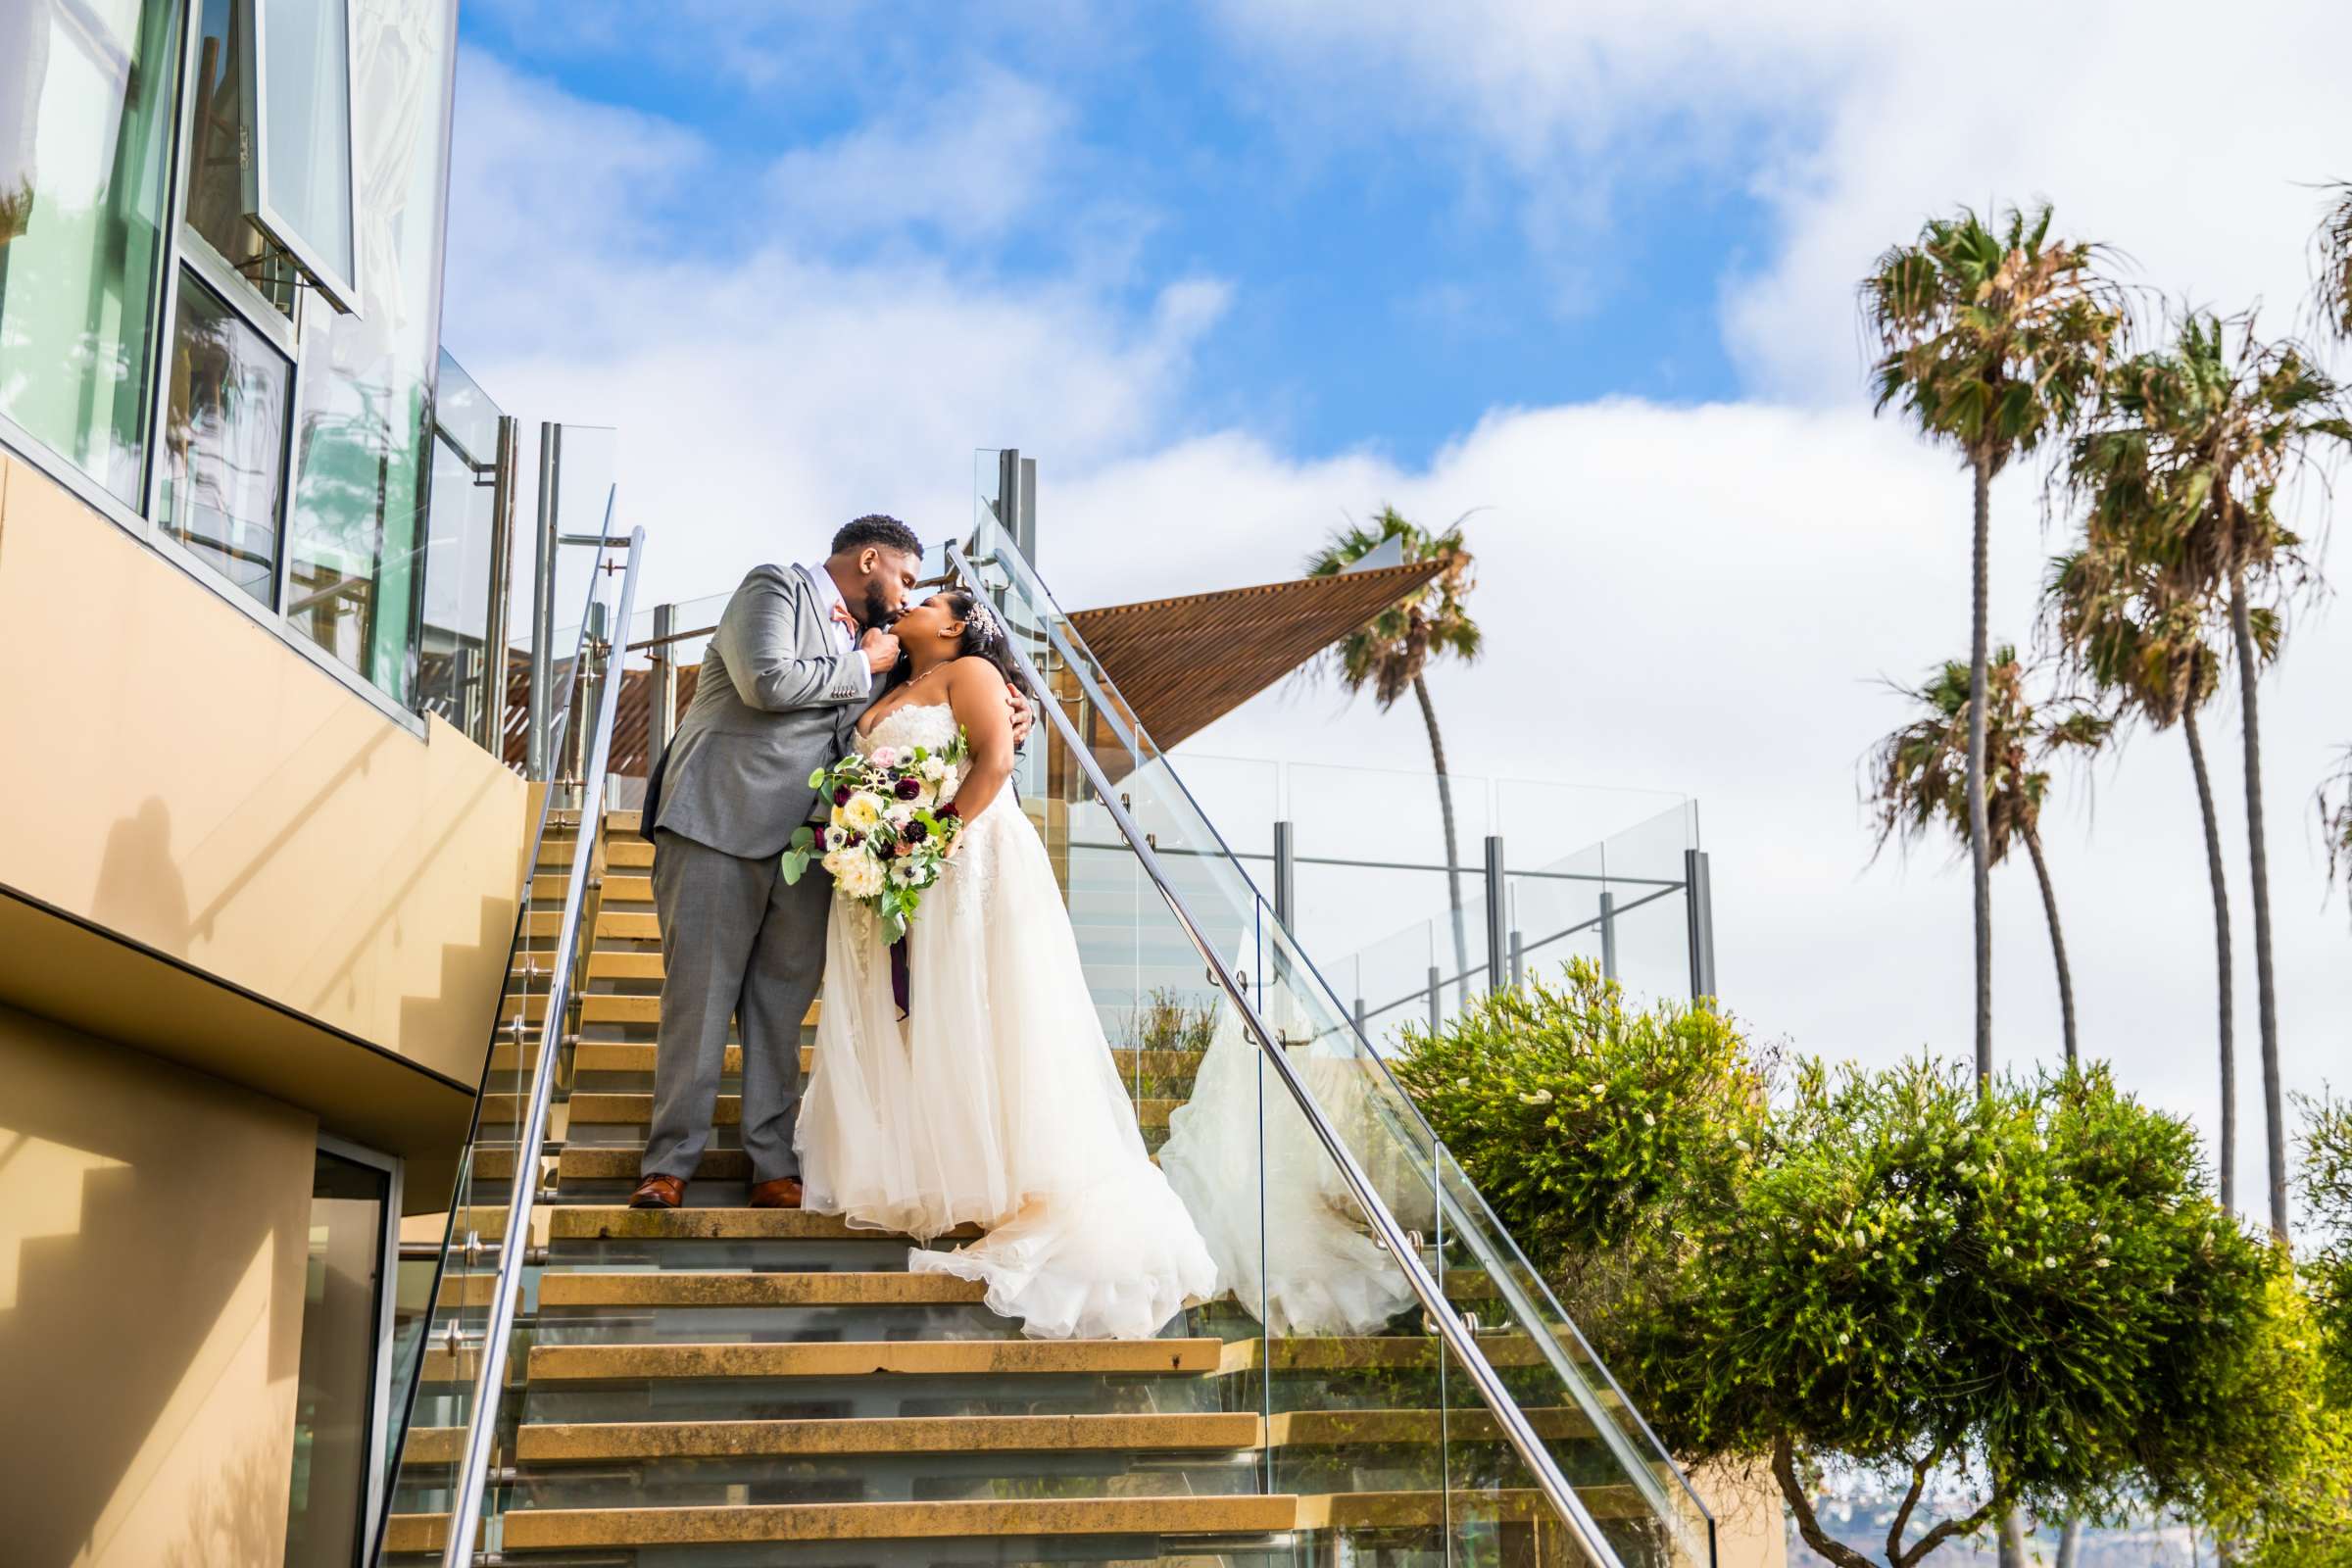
<point>969,164</point>
<point>2187,142</point>
<point>1694,599</point>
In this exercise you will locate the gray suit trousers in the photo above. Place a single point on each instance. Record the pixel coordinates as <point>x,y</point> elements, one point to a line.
<point>738,941</point>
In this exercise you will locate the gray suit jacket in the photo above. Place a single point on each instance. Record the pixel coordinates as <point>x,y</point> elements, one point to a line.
<point>776,699</point>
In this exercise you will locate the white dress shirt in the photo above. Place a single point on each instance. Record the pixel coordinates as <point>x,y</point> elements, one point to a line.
<point>828,598</point>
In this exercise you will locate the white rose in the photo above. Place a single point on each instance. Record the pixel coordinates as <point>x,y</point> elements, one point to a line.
<point>863,877</point>
<point>862,812</point>
<point>933,769</point>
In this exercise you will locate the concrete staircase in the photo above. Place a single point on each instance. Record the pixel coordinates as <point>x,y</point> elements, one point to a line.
<point>720,1386</point>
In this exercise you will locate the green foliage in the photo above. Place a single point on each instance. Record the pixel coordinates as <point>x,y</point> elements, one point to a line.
<point>1901,1270</point>
<point>1992,339</point>
<point>1166,1021</point>
<point>1590,1126</point>
<point>2325,1180</point>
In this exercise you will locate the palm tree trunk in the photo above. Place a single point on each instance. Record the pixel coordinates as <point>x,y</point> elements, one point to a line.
<point>2274,1099</point>
<point>2012,1552</point>
<point>2050,908</point>
<point>1453,860</point>
<point>1980,828</point>
<point>2228,1165</point>
<point>2068,1540</point>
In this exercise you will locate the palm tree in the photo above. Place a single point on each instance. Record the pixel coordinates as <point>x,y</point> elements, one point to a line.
<point>1919,776</point>
<point>2200,438</point>
<point>2333,294</point>
<point>1391,651</point>
<point>1992,341</point>
<point>2155,657</point>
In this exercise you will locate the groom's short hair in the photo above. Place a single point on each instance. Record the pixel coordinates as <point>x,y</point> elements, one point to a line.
<point>878,531</point>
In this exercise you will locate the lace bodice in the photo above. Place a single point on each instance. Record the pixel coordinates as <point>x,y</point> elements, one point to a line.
<point>926,724</point>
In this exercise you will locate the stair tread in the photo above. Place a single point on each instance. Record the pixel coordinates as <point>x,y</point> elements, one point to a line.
<point>578,1222</point>
<point>745,1288</point>
<point>1342,1427</point>
<point>543,1529</point>
<point>1371,1353</point>
<point>864,1357</point>
<point>635,1108</point>
<point>1394,1510</point>
<point>556,1441</point>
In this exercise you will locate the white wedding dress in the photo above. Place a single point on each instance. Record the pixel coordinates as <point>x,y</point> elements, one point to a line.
<point>995,1102</point>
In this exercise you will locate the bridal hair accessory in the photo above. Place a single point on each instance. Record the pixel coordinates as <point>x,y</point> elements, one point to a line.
<point>984,619</point>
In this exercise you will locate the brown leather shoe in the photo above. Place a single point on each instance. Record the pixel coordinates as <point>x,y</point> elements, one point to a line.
<point>658,1192</point>
<point>782,1193</point>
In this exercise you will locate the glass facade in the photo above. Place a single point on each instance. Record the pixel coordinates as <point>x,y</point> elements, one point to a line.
<point>224,441</point>
<point>306,173</point>
<point>220,137</point>
<point>85,108</point>
<point>362,461</point>
<point>455,669</point>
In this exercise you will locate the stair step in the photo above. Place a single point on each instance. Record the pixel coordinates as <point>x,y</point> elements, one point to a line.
<point>1340,1429</point>
<point>548,1529</point>
<point>637,1055</point>
<point>558,1363</point>
<point>744,1288</point>
<point>1377,1353</point>
<point>586,1222</point>
<point>1174,1432</point>
<point>611,925</point>
<point>1429,1511</point>
<point>609,1010</point>
<point>628,854</point>
<point>596,1108</point>
<point>631,886</point>
<point>641,967</point>
<point>415,1534</point>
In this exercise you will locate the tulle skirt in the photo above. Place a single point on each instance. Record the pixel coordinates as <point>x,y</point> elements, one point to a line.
<point>994,1103</point>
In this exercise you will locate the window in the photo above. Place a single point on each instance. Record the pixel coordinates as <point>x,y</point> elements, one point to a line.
<point>219,136</point>
<point>299,179</point>
<point>224,441</point>
<point>85,97</point>
<point>336,1411</point>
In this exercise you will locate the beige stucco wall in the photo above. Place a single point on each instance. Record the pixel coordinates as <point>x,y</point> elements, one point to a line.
<point>1749,1531</point>
<point>179,776</point>
<point>153,1231</point>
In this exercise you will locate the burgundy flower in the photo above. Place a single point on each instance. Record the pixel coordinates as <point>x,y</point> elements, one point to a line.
<point>907,789</point>
<point>914,832</point>
<point>841,795</point>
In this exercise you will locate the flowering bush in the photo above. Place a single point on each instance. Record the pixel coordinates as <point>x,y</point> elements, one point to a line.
<point>892,825</point>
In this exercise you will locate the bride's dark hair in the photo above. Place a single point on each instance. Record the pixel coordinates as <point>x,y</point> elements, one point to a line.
<point>983,638</point>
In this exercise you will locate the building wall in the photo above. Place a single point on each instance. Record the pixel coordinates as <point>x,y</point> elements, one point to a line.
<point>183,779</point>
<point>154,1226</point>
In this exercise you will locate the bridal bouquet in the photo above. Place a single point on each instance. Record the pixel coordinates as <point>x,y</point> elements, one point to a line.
<point>893,820</point>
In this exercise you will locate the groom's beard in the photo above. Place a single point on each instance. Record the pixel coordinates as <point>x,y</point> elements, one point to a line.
<point>876,613</point>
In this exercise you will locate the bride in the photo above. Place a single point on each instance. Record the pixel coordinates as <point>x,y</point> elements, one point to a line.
<point>994,1100</point>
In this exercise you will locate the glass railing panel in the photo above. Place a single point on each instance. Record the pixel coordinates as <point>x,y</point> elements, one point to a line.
<point>1633,1490</point>
<point>1350,1093</point>
<point>451,1261</point>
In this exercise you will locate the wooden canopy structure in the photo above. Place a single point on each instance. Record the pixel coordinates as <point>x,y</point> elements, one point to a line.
<point>1182,664</point>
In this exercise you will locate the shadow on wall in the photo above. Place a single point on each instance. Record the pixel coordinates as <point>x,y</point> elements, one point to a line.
<point>139,886</point>
<point>157,1224</point>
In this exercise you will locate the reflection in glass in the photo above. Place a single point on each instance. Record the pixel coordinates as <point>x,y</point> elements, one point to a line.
<point>220,144</point>
<point>224,441</point>
<point>306,92</point>
<point>86,93</point>
<point>363,439</point>
<point>334,1417</point>
<point>453,661</point>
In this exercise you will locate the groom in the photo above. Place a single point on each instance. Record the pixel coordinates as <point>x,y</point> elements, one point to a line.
<point>799,654</point>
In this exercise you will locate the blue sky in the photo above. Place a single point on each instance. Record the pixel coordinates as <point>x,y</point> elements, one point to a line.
<point>1233,272</point>
<point>1387,284</point>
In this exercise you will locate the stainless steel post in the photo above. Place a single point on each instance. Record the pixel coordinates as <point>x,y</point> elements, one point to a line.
<point>1286,873</point>
<point>661,722</point>
<point>594,650</point>
<point>1608,936</point>
<point>1698,912</point>
<point>1498,916</point>
<point>1436,1004</point>
<point>543,602</point>
<point>1518,957</point>
<point>501,572</point>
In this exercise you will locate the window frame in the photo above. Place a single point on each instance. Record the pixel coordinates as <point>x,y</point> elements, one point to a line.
<point>182,246</point>
<point>387,1303</point>
<point>338,289</point>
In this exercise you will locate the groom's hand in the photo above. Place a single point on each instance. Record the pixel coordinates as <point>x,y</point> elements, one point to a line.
<point>1023,716</point>
<point>881,650</point>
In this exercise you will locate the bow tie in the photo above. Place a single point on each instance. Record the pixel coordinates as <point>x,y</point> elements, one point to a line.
<point>841,614</point>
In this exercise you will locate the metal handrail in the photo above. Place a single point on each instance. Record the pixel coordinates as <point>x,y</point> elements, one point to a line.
<point>482,1420</point>
<point>1516,1428</point>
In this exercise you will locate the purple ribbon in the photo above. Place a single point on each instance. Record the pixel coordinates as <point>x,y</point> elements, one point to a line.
<point>898,974</point>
